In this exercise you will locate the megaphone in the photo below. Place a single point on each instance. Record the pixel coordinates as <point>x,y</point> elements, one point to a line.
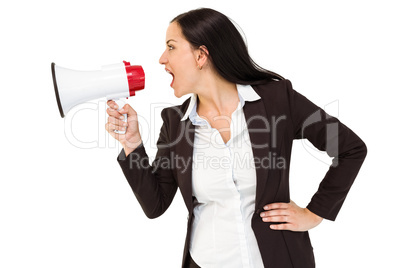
<point>115,82</point>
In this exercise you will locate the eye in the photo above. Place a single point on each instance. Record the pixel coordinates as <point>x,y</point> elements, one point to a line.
<point>170,47</point>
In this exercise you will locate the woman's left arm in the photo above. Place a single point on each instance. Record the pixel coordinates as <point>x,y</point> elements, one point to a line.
<point>328,134</point>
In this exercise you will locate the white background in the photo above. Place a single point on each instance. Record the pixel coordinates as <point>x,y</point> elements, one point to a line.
<point>64,201</point>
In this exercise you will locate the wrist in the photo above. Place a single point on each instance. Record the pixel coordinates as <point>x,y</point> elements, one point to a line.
<point>316,218</point>
<point>130,145</point>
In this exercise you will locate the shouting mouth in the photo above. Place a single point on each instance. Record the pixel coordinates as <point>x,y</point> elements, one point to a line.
<point>168,71</point>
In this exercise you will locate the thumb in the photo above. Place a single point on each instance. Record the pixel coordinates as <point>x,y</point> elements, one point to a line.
<point>127,109</point>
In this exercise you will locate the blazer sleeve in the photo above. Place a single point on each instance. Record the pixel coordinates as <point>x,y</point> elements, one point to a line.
<point>153,185</point>
<point>328,134</point>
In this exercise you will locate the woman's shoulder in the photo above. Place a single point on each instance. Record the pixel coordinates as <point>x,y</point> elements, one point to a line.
<point>273,88</point>
<point>272,85</point>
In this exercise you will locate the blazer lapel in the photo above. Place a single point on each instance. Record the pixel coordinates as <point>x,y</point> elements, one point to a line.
<point>184,154</point>
<point>259,118</point>
<point>260,135</point>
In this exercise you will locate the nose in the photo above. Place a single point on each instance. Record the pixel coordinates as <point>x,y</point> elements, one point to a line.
<point>163,58</point>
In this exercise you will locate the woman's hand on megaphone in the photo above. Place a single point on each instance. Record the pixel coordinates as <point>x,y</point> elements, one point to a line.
<point>132,138</point>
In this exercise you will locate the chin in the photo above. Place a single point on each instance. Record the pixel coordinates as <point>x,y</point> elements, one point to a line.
<point>180,92</point>
<point>176,93</point>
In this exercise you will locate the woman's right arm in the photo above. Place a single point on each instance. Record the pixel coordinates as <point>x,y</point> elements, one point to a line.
<point>153,185</point>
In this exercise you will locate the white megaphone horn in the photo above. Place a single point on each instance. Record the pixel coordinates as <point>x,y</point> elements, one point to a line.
<point>114,81</point>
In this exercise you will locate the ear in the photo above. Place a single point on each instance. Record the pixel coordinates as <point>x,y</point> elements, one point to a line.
<point>202,55</point>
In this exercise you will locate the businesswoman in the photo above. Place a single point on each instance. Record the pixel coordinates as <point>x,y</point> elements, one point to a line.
<point>227,148</point>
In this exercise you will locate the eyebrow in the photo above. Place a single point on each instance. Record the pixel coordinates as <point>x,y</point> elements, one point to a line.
<point>170,40</point>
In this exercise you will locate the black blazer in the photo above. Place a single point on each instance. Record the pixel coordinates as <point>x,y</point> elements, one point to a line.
<point>274,121</point>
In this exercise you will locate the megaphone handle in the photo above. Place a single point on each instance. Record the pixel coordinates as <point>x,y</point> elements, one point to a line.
<point>121,103</point>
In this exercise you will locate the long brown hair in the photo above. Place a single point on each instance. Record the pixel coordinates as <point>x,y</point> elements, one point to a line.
<point>226,47</point>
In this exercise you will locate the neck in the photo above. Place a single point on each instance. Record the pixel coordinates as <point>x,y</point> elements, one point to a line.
<point>216,96</point>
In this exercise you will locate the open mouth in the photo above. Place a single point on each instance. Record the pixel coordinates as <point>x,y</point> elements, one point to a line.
<point>168,71</point>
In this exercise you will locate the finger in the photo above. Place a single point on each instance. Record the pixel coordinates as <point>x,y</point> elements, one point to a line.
<point>284,226</point>
<point>116,121</point>
<point>112,127</point>
<point>276,206</point>
<point>276,219</point>
<point>115,135</point>
<point>112,104</point>
<point>127,109</point>
<point>111,132</point>
<point>275,212</point>
<point>114,113</point>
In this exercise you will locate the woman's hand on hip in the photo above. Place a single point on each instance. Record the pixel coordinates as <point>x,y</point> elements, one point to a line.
<point>132,138</point>
<point>291,217</point>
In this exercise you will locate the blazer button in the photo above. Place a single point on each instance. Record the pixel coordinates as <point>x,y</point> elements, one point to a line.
<point>258,211</point>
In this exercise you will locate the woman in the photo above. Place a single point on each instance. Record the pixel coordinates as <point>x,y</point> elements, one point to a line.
<point>228,149</point>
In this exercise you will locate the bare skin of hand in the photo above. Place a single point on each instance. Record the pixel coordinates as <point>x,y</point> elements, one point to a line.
<point>132,138</point>
<point>291,216</point>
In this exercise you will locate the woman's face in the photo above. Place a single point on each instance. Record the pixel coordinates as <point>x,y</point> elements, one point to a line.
<point>180,60</point>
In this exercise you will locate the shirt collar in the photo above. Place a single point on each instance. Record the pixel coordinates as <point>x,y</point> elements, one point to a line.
<point>245,93</point>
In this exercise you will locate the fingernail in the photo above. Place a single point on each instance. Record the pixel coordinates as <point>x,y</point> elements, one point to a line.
<point>266,207</point>
<point>121,111</point>
<point>262,214</point>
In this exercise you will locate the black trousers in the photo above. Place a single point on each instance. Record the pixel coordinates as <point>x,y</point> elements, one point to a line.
<point>190,263</point>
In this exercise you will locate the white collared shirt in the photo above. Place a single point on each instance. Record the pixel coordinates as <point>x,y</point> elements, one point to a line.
<point>224,184</point>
